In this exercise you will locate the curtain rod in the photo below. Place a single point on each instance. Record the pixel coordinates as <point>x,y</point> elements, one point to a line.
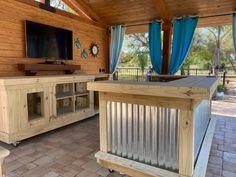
<point>201,17</point>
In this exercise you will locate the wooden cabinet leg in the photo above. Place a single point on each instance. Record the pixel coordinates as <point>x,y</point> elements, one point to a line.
<point>3,154</point>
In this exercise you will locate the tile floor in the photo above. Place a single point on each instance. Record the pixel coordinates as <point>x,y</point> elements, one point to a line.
<point>222,161</point>
<point>69,151</point>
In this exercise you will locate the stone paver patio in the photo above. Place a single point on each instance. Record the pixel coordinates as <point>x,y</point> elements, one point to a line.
<point>69,151</point>
<point>222,161</point>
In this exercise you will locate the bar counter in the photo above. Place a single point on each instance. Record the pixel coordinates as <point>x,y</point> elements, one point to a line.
<point>155,128</point>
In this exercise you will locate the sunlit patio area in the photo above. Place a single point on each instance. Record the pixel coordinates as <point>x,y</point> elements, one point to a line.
<point>69,151</point>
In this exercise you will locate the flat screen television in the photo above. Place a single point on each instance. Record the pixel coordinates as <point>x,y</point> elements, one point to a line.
<point>43,41</point>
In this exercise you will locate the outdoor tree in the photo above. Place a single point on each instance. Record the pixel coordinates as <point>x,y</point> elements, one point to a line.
<point>142,60</point>
<point>136,51</point>
<point>218,35</point>
<point>211,47</point>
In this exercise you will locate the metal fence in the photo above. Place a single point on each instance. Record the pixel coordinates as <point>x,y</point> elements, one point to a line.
<point>130,73</point>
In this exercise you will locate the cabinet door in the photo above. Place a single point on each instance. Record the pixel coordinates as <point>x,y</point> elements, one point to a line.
<point>84,99</point>
<point>37,107</point>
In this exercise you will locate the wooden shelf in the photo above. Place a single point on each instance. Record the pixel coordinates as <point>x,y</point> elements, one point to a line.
<point>32,69</point>
<point>62,98</point>
<point>80,87</point>
<point>76,93</point>
<point>34,116</point>
<point>34,105</point>
<point>81,94</point>
<point>64,95</point>
<point>64,110</point>
<point>78,108</point>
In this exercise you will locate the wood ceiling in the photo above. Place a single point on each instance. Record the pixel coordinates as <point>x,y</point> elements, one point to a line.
<point>136,14</point>
<point>128,12</point>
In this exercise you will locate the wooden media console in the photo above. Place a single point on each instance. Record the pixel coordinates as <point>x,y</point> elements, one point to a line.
<point>33,105</point>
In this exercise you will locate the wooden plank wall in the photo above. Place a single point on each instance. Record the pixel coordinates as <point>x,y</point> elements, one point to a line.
<point>12,38</point>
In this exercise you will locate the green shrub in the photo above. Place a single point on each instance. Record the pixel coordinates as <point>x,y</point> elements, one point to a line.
<point>221,88</point>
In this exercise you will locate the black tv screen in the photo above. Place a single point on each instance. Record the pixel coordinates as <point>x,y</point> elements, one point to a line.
<point>43,41</point>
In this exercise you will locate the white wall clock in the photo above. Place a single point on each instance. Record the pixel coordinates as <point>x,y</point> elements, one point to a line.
<point>94,49</point>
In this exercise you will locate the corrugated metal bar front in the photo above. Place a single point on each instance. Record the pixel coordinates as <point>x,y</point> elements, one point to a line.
<point>202,118</point>
<point>146,134</point>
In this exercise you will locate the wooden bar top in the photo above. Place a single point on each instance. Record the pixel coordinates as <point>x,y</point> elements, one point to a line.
<point>193,87</point>
<point>21,80</point>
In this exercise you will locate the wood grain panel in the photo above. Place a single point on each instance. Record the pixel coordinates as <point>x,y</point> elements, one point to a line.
<point>12,38</point>
<point>123,11</point>
<point>129,11</point>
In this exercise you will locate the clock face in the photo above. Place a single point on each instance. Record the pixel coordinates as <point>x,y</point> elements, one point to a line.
<point>94,49</point>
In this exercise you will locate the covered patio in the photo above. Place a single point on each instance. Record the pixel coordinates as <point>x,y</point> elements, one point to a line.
<point>69,151</point>
<point>64,114</point>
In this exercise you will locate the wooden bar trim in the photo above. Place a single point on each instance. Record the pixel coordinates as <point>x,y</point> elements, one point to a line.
<point>202,161</point>
<point>178,103</point>
<point>150,89</point>
<point>131,167</point>
<point>195,103</point>
<point>186,143</point>
<point>214,87</point>
<point>103,123</point>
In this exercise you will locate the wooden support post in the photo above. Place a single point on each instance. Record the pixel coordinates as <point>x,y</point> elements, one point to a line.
<point>167,29</point>
<point>186,143</point>
<point>103,123</point>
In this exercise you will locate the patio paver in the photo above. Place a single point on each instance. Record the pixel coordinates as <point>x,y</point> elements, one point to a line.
<point>222,161</point>
<point>69,152</point>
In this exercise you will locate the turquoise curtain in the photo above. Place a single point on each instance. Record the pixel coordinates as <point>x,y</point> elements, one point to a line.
<point>234,30</point>
<point>182,38</point>
<point>155,45</point>
<point>117,39</point>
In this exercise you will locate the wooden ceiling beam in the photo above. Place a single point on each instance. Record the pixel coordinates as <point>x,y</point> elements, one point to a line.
<point>62,13</point>
<point>137,29</point>
<point>215,21</point>
<point>83,9</point>
<point>163,10</point>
